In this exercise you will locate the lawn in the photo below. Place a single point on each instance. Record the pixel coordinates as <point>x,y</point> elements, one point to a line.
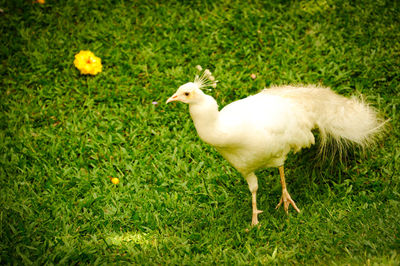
<point>64,135</point>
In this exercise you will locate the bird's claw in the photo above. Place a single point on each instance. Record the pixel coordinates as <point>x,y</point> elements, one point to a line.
<point>287,200</point>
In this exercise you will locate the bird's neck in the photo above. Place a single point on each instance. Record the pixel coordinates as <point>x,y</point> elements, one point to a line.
<point>205,117</point>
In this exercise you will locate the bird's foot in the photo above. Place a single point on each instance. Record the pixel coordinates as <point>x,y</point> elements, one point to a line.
<point>254,219</point>
<point>286,200</point>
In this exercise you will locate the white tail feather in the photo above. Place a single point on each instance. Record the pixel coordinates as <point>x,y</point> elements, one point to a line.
<point>343,121</point>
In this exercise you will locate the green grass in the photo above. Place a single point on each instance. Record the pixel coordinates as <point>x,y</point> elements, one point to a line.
<point>63,135</point>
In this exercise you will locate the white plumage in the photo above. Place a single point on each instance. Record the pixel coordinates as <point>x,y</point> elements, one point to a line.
<point>260,130</point>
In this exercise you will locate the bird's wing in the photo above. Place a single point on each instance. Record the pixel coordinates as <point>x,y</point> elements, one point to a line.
<point>267,121</point>
<point>264,113</point>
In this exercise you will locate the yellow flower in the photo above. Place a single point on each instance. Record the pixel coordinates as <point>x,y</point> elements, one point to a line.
<point>87,63</point>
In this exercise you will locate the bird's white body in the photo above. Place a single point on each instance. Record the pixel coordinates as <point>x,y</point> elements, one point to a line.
<point>236,131</point>
<point>260,130</point>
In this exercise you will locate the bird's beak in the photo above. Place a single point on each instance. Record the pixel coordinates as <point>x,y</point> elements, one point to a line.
<point>173,98</point>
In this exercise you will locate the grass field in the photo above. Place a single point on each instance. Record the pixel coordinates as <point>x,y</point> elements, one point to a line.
<point>63,134</point>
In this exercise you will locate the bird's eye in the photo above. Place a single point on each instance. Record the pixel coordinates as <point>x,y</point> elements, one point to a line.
<point>187,93</point>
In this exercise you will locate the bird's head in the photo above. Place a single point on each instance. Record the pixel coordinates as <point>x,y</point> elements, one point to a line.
<point>191,92</point>
<point>187,93</point>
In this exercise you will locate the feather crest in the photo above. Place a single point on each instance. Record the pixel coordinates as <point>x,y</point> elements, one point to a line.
<point>206,79</point>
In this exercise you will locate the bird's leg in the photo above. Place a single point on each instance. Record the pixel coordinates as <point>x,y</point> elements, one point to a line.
<point>285,199</point>
<point>254,218</point>
<point>253,186</point>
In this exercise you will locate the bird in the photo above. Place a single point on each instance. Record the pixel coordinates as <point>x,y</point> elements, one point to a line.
<point>260,131</point>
